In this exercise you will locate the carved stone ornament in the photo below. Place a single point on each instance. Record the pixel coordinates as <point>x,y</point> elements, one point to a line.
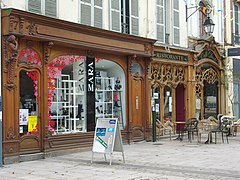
<point>10,134</point>
<point>47,51</point>
<point>10,58</point>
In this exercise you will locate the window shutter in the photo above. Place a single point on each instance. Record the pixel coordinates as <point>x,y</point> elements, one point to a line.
<point>134,17</point>
<point>51,8</point>
<point>34,6</point>
<point>160,21</point>
<point>176,25</point>
<point>115,15</point>
<point>98,17</point>
<point>86,12</point>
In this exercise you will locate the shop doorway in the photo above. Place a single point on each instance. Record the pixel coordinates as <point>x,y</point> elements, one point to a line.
<point>29,112</point>
<point>210,99</point>
<point>180,106</point>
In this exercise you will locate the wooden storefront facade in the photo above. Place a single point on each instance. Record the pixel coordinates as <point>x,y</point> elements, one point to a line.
<point>187,83</point>
<point>35,51</point>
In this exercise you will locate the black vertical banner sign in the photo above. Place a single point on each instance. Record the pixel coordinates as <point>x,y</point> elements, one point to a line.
<point>90,69</point>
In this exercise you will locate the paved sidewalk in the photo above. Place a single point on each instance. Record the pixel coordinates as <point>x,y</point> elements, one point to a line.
<point>164,159</point>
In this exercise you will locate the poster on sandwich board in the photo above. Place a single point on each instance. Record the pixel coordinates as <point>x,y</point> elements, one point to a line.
<point>107,137</point>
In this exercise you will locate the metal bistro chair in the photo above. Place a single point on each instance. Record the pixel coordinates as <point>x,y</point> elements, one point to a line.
<point>190,127</point>
<point>223,128</point>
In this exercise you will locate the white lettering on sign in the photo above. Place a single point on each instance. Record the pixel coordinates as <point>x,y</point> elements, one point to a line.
<point>90,77</point>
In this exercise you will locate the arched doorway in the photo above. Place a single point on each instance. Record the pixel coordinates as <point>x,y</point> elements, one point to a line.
<point>207,90</point>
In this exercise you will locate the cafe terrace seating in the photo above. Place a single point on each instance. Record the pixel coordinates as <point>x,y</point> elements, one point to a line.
<point>164,128</point>
<point>207,126</point>
<point>190,127</point>
<point>236,125</point>
<point>211,125</point>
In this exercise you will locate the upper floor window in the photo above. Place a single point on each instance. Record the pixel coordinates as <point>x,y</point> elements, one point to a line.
<point>160,19</point>
<point>167,21</point>
<point>236,24</point>
<point>91,13</point>
<point>176,24</point>
<point>124,16</point>
<point>46,7</point>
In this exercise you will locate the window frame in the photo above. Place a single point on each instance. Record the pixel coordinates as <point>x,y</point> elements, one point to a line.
<point>133,16</point>
<point>173,26</point>
<point>43,8</point>
<point>93,6</point>
<point>164,20</point>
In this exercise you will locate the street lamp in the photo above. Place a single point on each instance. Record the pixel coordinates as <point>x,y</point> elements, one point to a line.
<point>206,9</point>
<point>208,25</point>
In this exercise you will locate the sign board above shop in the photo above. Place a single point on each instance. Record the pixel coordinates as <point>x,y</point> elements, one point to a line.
<point>233,51</point>
<point>170,56</point>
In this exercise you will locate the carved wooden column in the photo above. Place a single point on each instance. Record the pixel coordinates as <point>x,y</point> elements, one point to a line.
<point>191,93</point>
<point>10,130</point>
<point>45,125</point>
<point>174,103</point>
<point>222,97</point>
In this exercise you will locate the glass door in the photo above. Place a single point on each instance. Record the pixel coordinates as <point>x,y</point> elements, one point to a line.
<point>29,116</point>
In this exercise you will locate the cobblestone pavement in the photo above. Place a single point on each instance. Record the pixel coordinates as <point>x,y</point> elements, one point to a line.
<point>164,159</point>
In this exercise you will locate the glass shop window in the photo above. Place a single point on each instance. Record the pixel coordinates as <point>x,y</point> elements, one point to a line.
<point>110,98</point>
<point>156,101</point>
<point>210,99</point>
<point>66,99</point>
<point>28,107</point>
<point>167,103</point>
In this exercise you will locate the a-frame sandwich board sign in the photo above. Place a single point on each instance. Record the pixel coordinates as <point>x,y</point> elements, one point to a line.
<point>107,138</point>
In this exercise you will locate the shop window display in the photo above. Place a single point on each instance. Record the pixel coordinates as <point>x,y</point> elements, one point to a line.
<point>110,91</point>
<point>28,108</point>
<point>67,94</point>
<point>28,103</point>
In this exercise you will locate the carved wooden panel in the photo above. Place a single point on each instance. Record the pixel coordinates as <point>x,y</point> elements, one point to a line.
<point>167,74</point>
<point>137,102</point>
<point>30,143</point>
<point>10,148</point>
<point>209,75</point>
<point>10,57</point>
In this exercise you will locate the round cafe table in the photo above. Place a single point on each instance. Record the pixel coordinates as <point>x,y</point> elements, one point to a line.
<point>177,123</point>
